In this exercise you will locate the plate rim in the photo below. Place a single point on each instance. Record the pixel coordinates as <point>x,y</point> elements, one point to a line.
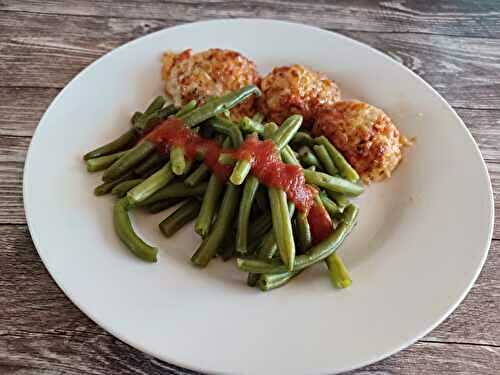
<point>360,44</point>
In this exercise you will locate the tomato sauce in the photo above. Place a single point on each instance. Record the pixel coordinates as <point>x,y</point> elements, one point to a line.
<point>320,223</point>
<point>265,161</point>
<point>271,171</point>
<point>172,132</point>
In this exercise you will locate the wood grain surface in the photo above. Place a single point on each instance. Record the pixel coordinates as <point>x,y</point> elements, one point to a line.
<point>454,45</point>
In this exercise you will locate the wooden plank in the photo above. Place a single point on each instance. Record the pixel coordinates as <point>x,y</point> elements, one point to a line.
<point>461,69</point>
<point>22,108</point>
<point>465,18</point>
<point>42,332</point>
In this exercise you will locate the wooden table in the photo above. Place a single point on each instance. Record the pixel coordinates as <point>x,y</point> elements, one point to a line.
<point>453,45</point>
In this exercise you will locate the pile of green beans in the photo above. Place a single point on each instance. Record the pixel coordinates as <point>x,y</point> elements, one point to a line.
<point>239,218</point>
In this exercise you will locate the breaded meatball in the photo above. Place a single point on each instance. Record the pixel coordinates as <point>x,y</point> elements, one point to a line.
<point>295,89</point>
<point>364,134</point>
<point>214,72</point>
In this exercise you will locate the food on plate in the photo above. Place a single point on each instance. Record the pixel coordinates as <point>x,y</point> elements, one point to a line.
<point>364,134</point>
<point>214,72</point>
<point>257,186</point>
<point>295,89</point>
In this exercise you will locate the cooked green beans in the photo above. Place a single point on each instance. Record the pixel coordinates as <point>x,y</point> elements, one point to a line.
<point>302,139</point>
<point>122,188</point>
<point>219,105</point>
<point>249,191</point>
<point>343,166</point>
<point>209,246</point>
<point>156,207</point>
<point>325,159</point>
<point>282,226</point>
<point>333,183</point>
<point>177,160</point>
<point>151,162</point>
<point>249,125</point>
<point>339,198</point>
<point>121,143</point>
<point>199,175</point>
<point>339,276</point>
<point>226,127</point>
<point>303,231</point>
<point>102,162</point>
<point>329,205</point>
<point>180,217</point>
<point>308,158</point>
<point>175,190</point>
<point>186,108</point>
<point>314,255</point>
<point>269,282</point>
<point>125,232</point>
<point>129,160</point>
<point>151,185</point>
<point>106,187</point>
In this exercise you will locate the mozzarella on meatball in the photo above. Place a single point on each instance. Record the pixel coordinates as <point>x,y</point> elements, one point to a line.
<point>364,134</point>
<point>206,74</point>
<point>295,89</point>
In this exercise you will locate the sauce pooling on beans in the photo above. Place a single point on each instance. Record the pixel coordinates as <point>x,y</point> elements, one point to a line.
<point>266,166</point>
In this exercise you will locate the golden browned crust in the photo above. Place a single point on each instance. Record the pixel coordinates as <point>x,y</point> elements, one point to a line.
<point>213,72</point>
<point>295,89</point>
<point>364,134</point>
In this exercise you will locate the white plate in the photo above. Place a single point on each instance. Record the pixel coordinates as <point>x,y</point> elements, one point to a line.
<point>421,241</point>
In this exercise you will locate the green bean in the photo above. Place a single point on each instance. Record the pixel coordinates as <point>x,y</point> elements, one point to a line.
<point>200,174</point>
<point>261,198</point>
<point>343,166</point>
<point>227,249</point>
<point>303,231</point>
<point>125,232</point>
<point>350,214</point>
<point>121,189</point>
<point>121,143</point>
<point>329,205</point>
<point>175,190</point>
<point>269,129</point>
<point>156,207</point>
<point>260,227</point>
<point>339,198</point>
<point>136,116</point>
<point>186,108</point>
<point>151,115</point>
<point>268,248</point>
<point>269,282</point>
<point>258,117</point>
<point>180,217</point>
<point>339,276</point>
<point>153,161</point>
<point>326,161</point>
<point>210,200</point>
<point>106,187</point>
<point>288,156</point>
<point>228,209</point>
<point>178,161</point>
<point>129,160</point>
<point>102,162</point>
<point>151,185</point>
<point>226,127</point>
<point>226,159</point>
<point>240,171</point>
<point>249,191</point>
<point>282,226</point>
<point>314,255</point>
<point>286,131</point>
<point>155,105</point>
<point>302,139</point>
<point>251,126</point>
<point>219,105</point>
<point>169,110</point>
<point>307,157</point>
<point>333,183</point>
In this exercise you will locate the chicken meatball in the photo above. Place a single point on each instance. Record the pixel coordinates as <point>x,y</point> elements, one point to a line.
<point>202,75</point>
<point>364,134</point>
<point>295,89</point>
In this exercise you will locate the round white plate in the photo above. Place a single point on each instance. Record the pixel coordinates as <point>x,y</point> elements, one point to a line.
<point>420,243</point>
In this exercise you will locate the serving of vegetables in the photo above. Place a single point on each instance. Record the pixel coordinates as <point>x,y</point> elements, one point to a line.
<point>223,175</point>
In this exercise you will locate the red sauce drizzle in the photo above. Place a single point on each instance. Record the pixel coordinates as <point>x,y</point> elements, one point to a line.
<point>320,223</point>
<point>172,132</point>
<point>266,164</point>
<point>271,171</point>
